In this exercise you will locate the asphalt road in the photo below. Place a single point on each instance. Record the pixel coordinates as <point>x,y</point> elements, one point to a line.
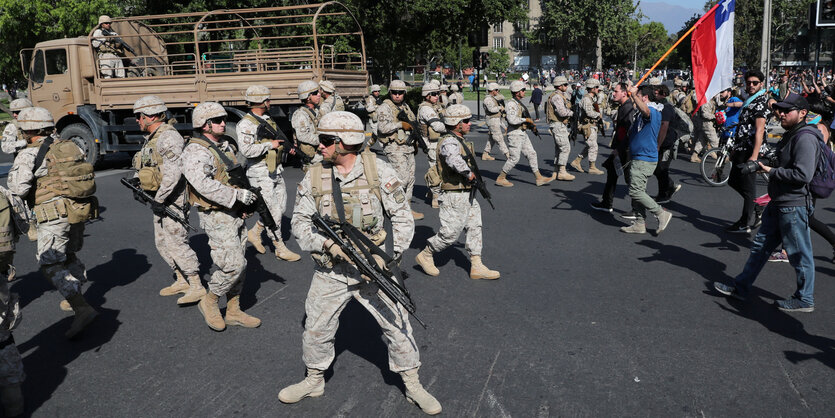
<point>585,321</point>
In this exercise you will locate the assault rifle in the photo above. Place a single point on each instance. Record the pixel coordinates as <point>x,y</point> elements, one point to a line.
<point>415,138</point>
<point>527,115</point>
<point>237,178</point>
<point>267,131</point>
<point>117,40</point>
<point>361,250</point>
<point>143,197</point>
<point>478,182</point>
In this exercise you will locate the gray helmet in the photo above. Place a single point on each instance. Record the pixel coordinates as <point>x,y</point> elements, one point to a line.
<point>560,80</point>
<point>654,81</point>
<point>205,111</point>
<point>257,94</point>
<point>345,125</point>
<point>456,113</point>
<point>19,104</point>
<point>105,19</point>
<point>428,88</point>
<point>149,105</point>
<point>307,87</point>
<point>517,85</point>
<point>454,87</point>
<point>444,87</point>
<point>327,86</point>
<point>492,86</point>
<point>32,118</point>
<point>592,83</point>
<point>397,85</point>
<point>375,87</point>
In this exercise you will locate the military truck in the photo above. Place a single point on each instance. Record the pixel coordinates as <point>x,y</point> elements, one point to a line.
<point>188,58</point>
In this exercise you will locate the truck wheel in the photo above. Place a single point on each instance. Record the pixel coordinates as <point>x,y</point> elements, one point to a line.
<point>83,137</point>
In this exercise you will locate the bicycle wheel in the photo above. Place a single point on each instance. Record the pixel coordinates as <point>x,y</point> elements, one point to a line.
<point>716,166</point>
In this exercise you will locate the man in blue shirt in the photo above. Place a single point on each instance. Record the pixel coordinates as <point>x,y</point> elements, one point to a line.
<point>643,146</point>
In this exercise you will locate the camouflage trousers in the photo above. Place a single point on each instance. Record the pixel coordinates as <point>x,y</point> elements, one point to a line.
<point>590,150</point>
<point>707,137</point>
<point>171,240</point>
<point>520,144</point>
<point>402,159</point>
<point>329,292</point>
<point>561,142</point>
<point>111,65</point>
<point>458,214</point>
<point>58,241</point>
<point>227,241</point>
<point>495,136</point>
<point>432,157</point>
<point>275,196</point>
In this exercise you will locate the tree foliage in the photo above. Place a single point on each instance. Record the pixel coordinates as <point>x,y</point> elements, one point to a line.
<point>499,61</point>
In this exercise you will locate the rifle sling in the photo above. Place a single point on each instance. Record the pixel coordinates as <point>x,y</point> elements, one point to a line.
<point>44,148</point>
<point>263,123</point>
<point>222,155</point>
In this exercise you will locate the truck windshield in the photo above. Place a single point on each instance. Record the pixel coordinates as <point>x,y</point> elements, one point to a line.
<point>56,61</point>
<point>37,73</point>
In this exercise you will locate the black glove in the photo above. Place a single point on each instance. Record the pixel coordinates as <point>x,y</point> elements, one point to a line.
<point>158,209</point>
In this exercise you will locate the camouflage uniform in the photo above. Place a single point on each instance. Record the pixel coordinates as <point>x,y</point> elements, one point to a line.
<point>333,102</point>
<point>518,141</point>
<point>13,139</point>
<point>110,62</point>
<point>590,129</point>
<point>393,137</point>
<point>431,129</point>
<point>493,111</point>
<point>558,123</point>
<point>706,134</point>
<point>11,364</point>
<point>371,106</point>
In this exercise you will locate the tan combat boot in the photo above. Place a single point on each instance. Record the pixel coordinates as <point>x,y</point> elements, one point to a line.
<point>425,261</point>
<point>235,316</point>
<point>284,253</point>
<point>695,158</point>
<point>65,306</point>
<point>542,180</point>
<point>435,203</point>
<point>211,313</point>
<point>195,292</point>
<point>576,164</point>
<point>312,386</point>
<point>84,314</point>
<point>480,271</point>
<point>416,394</point>
<point>486,157</point>
<point>502,180</point>
<point>11,273</point>
<point>179,286</point>
<point>12,398</point>
<point>417,215</point>
<point>564,175</point>
<point>254,237</point>
<point>594,170</point>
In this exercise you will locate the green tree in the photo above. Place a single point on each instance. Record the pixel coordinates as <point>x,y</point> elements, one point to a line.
<point>499,61</point>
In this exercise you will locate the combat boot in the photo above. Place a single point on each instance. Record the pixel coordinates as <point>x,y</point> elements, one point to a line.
<point>435,204</point>
<point>542,180</point>
<point>211,313</point>
<point>425,261</point>
<point>65,306</point>
<point>312,386</point>
<point>179,286</point>
<point>486,157</point>
<point>195,292</point>
<point>417,215</point>
<point>254,237</point>
<point>235,316</point>
<point>416,394</point>
<point>594,170</point>
<point>502,181</point>
<point>564,175</point>
<point>11,273</point>
<point>576,164</point>
<point>480,271</point>
<point>12,398</point>
<point>695,158</point>
<point>284,253</point>
<point>84,314</point>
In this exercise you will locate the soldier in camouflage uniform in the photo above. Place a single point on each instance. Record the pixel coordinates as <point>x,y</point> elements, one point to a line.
<point>12,135</point>
<point>159,170</point>
<point>456,97</point>
<point>459,211</point>
<point>206,159</point>
<point>305,119</point>
<point>444,97</point>
<point>394,133</point>
<point>431,129</point>
<point>494,111</point>
<point>518,141</point>
<point>264,169</point>
<point>61,206</point>
<point>330,99</point>
<point>558,112</point>
<point>11,364</point>
<point>588,126</point>
<point>706,136</point>
<point>369,186</point>
<point>109,53</point>
<point>372,102</point>
<point>684,99</point>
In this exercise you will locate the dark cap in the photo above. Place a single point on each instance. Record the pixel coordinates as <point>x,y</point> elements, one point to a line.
<point>792,101</point>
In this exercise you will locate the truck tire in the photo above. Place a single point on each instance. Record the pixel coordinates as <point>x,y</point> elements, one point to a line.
<point>83,137</point>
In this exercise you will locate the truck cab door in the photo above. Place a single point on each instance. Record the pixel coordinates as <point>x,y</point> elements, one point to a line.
<point>57,85</point>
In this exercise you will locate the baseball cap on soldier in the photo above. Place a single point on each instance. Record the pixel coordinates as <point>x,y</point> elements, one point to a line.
<point>205,111</point>
<point>306,88</point>
<point>517,85</point>
<point>456,113</point>
<point>428,88</point>
<point>560,80</point>
<point>149,105</point>
<point>327,87</point>
<point>105,19</point>
<point>19,104</point>
<point>375,87</point>
<point>257,94</point>
<point>654,81</point>
<point>592,83</point>
<point>347,126</point>
<point>32,118</point>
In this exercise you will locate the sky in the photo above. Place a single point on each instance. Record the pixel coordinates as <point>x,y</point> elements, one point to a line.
<point>672,13</point>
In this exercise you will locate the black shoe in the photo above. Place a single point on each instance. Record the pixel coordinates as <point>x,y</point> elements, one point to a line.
<point>601,207</point>
<point>738,228</point>
<point>730,291</point>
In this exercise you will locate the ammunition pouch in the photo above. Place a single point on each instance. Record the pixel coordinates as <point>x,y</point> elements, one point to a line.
<point>307,149</point>
<point>433,177</point>
<point>50,211</point>
<point>150,178</point>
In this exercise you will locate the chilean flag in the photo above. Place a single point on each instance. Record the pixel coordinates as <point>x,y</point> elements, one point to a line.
<point>713,51</point>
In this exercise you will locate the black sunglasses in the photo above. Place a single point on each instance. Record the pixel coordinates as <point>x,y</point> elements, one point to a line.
<point>466,120</point>
<point>328,140</point>
<point>398,92</point>
<point>218,120</point>
<point>753,83</point>
<point>435,93</point>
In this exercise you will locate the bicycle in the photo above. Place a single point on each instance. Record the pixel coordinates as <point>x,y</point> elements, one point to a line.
<point>716,162</point>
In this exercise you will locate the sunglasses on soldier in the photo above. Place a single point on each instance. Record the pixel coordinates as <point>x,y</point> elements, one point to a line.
<point>328,140</point>
<point>398,92</point>
<point>434,93</point>
<point>218,120</point>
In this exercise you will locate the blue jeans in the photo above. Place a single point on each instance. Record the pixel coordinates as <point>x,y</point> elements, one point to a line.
<point>789,225</point>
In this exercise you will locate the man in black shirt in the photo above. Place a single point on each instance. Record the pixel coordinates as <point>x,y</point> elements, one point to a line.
<point>667,138</point>
<point>620,142</point>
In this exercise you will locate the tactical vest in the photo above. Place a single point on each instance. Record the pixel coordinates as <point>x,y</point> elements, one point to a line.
<point>399,136</point>
<point>308,149</point>
<point>221,175</point>
<point>338,103</point>
<point>7,229</point>
<point>148,160</point>
<point>487,111</point>
<point>66,191</point>
<point>689,104</point>
<point>525,115</point>
<point>551,111</point>
<point>270,157</point>
<point>425,129</point>
<point>586,118</point>
<point>359,207</point>
<point>452,180</point>
<point>106,46</point>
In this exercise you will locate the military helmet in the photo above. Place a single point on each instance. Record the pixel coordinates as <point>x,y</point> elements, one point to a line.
<point>517,85</point>
<point>307,87</point>
<point>592,83</point>
<point>345,125</point>
<point>327,86</point>
<point>257,94</point>
<point>560,80</point>
<point>679,82</point>
<point>149,105</point>
<point>105,19</point>
<point>19,104</point>
<point>397,85</point>
<point>444,87</point>
<point>375,87</point>
<point>453,87</point>
<point>205,111</point>
<point>456,113</point>
<point>492,86</point>
<point>32,118</point>
<point>654,81</point>
<point>428,88</point>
